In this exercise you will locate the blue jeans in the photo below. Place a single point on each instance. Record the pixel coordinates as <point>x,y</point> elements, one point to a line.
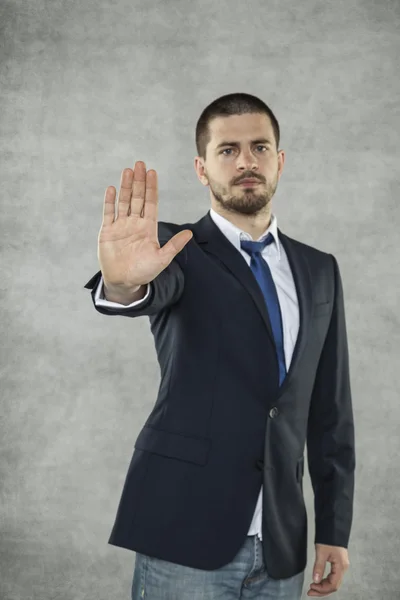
<point>245,578</point>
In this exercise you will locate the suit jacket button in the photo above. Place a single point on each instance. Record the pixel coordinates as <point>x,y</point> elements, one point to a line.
<point>274,412</point>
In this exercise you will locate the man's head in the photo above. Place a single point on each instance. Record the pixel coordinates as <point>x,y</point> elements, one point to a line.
<point>253,131</point>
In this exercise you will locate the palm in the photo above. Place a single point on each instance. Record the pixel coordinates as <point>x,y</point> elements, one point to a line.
<point>128,248</point>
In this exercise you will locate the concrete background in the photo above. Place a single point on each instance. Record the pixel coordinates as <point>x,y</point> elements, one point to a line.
<point>86,89</point>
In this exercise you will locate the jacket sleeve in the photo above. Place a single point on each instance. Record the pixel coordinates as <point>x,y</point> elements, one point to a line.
<point>330,434</point>
<point>165,289</point>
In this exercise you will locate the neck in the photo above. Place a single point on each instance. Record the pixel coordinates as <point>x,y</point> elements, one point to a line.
<point>254,225</point>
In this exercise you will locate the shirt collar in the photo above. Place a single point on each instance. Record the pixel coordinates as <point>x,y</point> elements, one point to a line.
<point>235,234</point>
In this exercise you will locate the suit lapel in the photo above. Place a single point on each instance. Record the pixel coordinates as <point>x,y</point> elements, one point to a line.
<point>211,239</point>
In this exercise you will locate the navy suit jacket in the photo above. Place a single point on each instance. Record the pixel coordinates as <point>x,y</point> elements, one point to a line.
<point>222,427</point>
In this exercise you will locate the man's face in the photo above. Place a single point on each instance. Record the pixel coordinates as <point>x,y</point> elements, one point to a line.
<point>227,165</point>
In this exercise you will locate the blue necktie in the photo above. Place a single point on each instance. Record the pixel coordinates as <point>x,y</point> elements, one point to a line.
<point>263,275</point>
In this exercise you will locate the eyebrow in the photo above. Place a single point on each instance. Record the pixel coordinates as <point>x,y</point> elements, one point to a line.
<point>259,141</point>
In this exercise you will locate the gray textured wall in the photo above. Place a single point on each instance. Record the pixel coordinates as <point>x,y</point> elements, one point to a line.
<point>88,88</point>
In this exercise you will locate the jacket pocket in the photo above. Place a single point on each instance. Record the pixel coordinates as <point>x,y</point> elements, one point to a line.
<point>174,445</point>
<point>321,309</point>
<point>300,470</point>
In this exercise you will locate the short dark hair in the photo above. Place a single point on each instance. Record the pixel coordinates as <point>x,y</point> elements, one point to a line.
<point>230,104</point>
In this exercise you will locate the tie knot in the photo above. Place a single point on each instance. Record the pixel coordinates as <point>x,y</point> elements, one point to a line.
<point>252,247</point>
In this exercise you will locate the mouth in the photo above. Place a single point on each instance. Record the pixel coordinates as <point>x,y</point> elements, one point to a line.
<point>249,182</point>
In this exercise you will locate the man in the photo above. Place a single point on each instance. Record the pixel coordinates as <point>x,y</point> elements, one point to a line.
<point>250,334</point>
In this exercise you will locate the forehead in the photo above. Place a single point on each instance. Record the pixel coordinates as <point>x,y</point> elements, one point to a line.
<point>244,127</point>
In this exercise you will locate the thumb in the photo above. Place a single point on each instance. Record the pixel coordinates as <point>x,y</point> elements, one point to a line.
<point>176,244</point>
<point>318,571</point>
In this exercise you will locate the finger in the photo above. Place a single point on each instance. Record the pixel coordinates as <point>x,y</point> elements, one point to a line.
<point>323,592</point>
<point>320,593</point>
<point>327,586</point>
<point>138,189</point>
<point>150,207</point>
<point>109,205</point>
<point>175,245</point>
<point>333,579</point>
<point>125,192</point>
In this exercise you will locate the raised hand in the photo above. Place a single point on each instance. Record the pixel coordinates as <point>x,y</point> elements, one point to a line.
<point>128,248</point>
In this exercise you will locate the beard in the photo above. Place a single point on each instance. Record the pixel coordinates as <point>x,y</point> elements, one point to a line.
<point>246,201</point>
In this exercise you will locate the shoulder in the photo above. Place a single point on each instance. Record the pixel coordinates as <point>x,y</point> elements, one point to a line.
<point>317,259</point>
<point>309,251</point>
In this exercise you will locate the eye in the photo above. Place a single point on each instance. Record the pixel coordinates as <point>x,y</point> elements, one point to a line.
<point>259,146</point>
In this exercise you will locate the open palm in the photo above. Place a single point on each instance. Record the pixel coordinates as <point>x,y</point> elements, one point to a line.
<point>128,248</point>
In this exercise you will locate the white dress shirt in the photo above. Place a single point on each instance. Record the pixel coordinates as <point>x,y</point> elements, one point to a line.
<point>275,256</point>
